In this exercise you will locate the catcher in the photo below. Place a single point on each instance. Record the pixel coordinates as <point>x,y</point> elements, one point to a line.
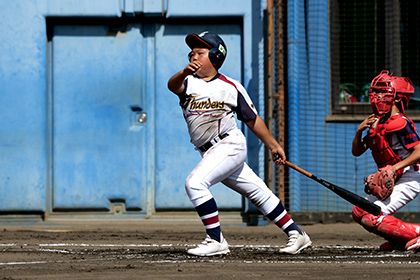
<point>394,144</point>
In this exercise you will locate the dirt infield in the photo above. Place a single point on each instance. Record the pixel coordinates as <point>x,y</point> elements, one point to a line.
<point>155,249</point>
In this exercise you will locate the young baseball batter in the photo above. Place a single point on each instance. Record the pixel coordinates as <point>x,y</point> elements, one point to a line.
<point>394,144</point>
<point>209,101</point>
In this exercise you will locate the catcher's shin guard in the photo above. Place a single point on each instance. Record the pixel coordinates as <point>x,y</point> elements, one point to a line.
<point>389,227</point>
<point>358,213</point>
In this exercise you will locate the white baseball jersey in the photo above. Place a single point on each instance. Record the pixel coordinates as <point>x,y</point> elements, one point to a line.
<point>208,106</point>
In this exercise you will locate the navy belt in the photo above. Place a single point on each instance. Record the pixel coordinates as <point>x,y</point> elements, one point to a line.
<point>211,143</point>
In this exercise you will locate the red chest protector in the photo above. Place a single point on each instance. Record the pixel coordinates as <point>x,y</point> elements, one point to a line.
<point>379,143</point>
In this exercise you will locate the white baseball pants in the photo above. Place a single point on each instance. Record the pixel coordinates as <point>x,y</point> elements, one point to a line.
<point>225,162</point>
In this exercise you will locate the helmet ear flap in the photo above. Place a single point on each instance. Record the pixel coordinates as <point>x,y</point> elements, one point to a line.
<point>216,57</point>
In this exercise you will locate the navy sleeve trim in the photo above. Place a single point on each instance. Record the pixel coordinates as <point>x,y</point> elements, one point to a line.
<point>243,111</point>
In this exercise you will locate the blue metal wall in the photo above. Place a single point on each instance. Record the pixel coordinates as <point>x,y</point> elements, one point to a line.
<point>73,86</point>
<point>23,99</point>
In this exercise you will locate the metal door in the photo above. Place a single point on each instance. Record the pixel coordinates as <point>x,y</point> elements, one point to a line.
<point>99,119</point>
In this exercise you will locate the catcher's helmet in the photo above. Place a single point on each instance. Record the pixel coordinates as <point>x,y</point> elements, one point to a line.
<point>211,41</point>
<point>388,88</point>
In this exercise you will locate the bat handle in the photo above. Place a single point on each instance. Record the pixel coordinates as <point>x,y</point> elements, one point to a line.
<point>297,168</point>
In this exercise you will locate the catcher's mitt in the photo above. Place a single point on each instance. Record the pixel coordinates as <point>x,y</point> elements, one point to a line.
<point>381,183</point>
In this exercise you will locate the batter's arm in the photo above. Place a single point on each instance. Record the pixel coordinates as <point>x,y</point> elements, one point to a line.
<point>176,82</point>
<point>258,127</point>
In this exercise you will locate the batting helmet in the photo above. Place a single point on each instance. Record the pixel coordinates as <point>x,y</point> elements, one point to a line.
<point>211,41</point>
<point>389,87</point>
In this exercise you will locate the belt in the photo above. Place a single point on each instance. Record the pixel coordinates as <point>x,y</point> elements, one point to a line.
<point>211,143</point>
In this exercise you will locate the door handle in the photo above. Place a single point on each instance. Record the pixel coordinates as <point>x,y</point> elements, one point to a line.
<point>139,115</point>
<point>141,118</point>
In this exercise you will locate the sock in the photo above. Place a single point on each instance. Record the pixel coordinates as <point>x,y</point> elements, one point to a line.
<point>281,218</point>
<point>210,217</point>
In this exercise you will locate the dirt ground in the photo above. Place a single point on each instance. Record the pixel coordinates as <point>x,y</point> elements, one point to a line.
<point>155,249</point>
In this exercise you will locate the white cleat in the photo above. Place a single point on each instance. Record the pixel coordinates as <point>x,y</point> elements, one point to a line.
<point>210,247</point>
<point>297,242</point>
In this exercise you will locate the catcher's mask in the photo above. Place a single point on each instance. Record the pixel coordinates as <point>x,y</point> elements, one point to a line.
<point>211,41</point>
<point>386,88</point>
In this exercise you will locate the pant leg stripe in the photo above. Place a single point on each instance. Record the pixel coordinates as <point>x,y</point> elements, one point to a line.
<point>215,225</point>
<point>286,225</point>
<point>279,217</point>
<point>210,215</point>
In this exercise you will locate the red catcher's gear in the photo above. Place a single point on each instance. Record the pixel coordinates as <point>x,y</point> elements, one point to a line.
<point>390,228</point>
<point>385,88</point>
<point>382,152</point>
<point>381,184</point>
<point>413,244</point>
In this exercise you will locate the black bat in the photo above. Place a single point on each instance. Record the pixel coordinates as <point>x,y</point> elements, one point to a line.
<point>343,193</point>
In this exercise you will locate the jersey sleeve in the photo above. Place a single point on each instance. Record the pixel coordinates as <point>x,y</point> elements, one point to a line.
<point>182,95</point>
<point>245,109</point>
<point>408,136</point>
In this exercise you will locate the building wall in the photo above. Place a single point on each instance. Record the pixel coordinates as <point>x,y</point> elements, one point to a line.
<point>75,78</point>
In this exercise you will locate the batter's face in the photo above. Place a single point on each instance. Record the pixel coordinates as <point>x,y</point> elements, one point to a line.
<point>202,55</point>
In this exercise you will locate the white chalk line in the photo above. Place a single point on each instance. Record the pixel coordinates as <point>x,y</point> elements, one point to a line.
<point>370,259</point>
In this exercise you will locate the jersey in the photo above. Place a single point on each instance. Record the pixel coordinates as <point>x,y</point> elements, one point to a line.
<point>209,106</point>
<point>391,143</point>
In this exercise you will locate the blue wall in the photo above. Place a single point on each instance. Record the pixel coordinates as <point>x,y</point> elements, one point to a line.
<point>323,148</point>
<point>23,101</point>
<point>70,140</point>
<point>74,83</point>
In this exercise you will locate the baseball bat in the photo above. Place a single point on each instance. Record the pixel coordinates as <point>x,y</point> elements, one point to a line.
<point>343,193</point>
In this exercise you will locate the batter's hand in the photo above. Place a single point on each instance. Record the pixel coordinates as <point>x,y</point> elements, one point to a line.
<point>192,67</point>
<point>176,82</point>
<point>279,157</point>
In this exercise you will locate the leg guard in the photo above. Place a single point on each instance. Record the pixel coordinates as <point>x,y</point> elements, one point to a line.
<point>394,229</point>
<point>389,227</point>
<point>358,213</point>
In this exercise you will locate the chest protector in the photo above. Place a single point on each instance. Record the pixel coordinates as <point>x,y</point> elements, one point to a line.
<point>379,143</point>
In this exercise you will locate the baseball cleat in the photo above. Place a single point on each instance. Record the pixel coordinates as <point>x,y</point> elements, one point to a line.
<point>387,246</point>
<point>210,247</point>
<point>297,242</point>
<point>413,244</point>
